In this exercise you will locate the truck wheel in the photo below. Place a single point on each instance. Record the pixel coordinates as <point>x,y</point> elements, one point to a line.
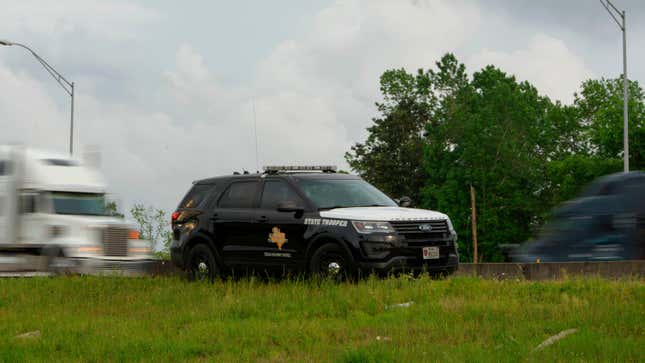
<point>55,260</point>
<point>331,261</point>
<point>201,264</point>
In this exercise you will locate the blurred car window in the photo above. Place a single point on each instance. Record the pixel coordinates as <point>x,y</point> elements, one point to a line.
<point>240,195</point>
<point>196,195</point>
<point>276,192</point>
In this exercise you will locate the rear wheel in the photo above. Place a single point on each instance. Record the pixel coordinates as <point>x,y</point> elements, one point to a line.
<point>201,264</point>
<point>331,261</point>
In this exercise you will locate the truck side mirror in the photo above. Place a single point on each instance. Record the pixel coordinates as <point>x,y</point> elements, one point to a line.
<point>405,202</point>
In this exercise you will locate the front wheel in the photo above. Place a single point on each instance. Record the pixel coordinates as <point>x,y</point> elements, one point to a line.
<point>201,264</point>
<point>331,261</point>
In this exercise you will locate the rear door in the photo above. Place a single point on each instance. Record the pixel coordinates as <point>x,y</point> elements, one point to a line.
<point>234,221</point>
<point>280,235</point>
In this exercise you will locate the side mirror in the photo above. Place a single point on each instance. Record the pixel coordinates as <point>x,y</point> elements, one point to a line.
<point>405,202</point>
<point>289,206</point>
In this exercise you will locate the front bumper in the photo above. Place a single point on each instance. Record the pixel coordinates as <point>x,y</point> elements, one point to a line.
<point>103,266</point>
<point>407,255</point>
<point>447,264</point>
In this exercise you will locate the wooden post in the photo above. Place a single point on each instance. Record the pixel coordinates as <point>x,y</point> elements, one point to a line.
<point>474,220</point>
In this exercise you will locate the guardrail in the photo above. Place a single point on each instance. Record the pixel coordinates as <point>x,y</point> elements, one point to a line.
<point>554,270</point>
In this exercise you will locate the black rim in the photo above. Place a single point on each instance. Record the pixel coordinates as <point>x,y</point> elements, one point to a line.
<point>200,267</point>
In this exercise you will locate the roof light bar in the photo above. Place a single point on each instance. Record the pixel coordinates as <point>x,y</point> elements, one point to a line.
<point>323,168</point>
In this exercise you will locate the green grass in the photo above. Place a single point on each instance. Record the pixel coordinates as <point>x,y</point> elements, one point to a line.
<point>457,319</point>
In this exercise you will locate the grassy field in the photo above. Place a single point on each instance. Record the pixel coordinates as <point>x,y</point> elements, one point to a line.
<point>457,319</point>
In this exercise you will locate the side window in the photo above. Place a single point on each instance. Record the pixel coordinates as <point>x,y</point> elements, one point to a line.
<point>196,195</point>
<point>239,195</point>
<point>28,203</point>
<point>277,191</point>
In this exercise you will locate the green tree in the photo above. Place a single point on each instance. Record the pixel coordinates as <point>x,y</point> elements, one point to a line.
<point>392,156</point>
<point>600,107</point>
<point>497,135</point>
<point>153,226</point>
<point>566,177</point>
<point>111,209</point>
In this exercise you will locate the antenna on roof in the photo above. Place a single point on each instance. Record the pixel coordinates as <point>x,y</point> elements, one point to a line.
<point>255,128</point>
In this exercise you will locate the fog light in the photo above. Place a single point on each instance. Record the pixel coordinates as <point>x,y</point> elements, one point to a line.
<point>376,249</point>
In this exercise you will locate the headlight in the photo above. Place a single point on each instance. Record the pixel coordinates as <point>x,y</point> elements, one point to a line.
<point>450,227</point>
<point>372,227</point>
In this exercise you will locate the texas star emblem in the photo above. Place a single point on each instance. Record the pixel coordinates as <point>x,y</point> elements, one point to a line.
<point>277,237</point>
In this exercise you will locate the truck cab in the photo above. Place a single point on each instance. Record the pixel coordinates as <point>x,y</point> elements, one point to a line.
<point>52,206</point>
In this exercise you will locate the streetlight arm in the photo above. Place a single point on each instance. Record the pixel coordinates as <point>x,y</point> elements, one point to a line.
<point>607,4</point>
<point>62,81</point>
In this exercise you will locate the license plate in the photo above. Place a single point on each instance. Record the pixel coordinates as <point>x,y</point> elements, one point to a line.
<point>430,253</point>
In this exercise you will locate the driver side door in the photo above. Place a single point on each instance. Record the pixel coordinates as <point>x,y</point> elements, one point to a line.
<point>280,234</point>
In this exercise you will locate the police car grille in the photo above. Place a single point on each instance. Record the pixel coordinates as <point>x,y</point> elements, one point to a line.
<point>115,241</point>
<point>412,233</point>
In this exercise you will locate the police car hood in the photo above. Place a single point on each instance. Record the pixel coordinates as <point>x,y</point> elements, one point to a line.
<point>382,214</point>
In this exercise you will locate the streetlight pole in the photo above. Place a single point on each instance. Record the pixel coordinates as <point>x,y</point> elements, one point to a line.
<point>613,11</point>
<point>62,81</point>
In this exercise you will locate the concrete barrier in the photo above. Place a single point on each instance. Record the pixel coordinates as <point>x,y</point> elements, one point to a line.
<point>554,270</point>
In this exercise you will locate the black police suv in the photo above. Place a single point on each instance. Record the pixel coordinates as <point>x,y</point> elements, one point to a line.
<point>605,222</point>
<point>308,219</point>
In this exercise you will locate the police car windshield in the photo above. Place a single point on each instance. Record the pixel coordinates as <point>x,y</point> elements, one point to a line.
<point>343,193</point>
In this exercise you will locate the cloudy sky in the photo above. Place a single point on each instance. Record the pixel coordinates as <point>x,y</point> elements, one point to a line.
<point>167,89</point>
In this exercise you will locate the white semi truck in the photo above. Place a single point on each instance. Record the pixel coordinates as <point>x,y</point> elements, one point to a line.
<point>52,217</point>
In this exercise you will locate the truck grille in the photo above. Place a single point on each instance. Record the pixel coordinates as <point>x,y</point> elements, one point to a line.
<point>412,232</point>
<point>115,241</point>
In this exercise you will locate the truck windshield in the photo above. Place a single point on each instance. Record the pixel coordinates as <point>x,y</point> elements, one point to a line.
<point>79,203</point>
<point>343,193</point>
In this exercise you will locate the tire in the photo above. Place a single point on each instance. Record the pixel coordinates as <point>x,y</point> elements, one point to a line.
<point>201,264</point>
<point>331,261</point>
<point>56,262</point>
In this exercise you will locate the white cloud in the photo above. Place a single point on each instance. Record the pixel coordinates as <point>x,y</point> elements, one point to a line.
<point>28,112</point>
<point>547,62</point>
<point>111,19</point>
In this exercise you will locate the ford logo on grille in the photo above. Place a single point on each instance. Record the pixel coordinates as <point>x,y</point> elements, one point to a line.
<point>425,227</point>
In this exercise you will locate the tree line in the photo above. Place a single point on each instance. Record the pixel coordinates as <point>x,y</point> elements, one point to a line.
<point>441,130</point>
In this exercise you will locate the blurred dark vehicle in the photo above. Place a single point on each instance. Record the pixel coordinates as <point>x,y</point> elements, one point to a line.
<point>605,222</point>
